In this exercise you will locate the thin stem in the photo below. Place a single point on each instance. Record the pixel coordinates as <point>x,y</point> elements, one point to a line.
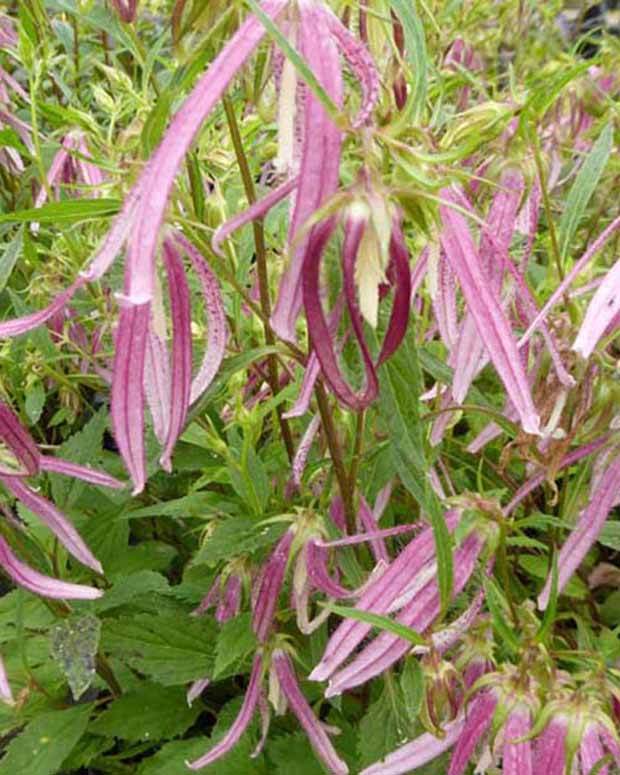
<point>357,449</point>
<point>547,205</point>
<point>335,452</point>
<point>261,267</point>
<point>76,51</point>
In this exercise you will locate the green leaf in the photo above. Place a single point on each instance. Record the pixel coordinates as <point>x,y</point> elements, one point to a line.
<point>45,743</point>
<point>583,187</point>
<point>538,568</point>
<point>235,643</point>
<point>412,687</point>
<point>83,447</point>
<point>196,504</point>
<point>549,616</point>
<point>234,537</point>
<point>546,91</point>
<point>498,608</point>
<point>149,713</point>
<point>75,642</point>
<point>9,257</point>
<point>35,401</point>
<point>415,43</point>
<point>610,535</point>
<point>171,649</point>
<point>69,211</point>
<point>381,622</point>
<point>401,386</point>
<point>294,754</point>
<point>384,726</point>
<point>128,588</point>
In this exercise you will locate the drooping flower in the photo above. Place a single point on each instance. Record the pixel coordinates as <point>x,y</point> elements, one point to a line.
<point>21,458</point>
<point>140,220</point>
<point>126,9</point>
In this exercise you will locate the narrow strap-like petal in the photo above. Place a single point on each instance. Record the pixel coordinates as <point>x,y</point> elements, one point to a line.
<point>180,312</point>
<point>217,335</point>
<point>157,383</point>
<point>303,450</point>
<point>269,586</point>
<point>20,325</point>
<point>24,576</point>
<point>587,530</point>
<point>127,403</point>
<point>478,720</point>
<point>320,160</point>
<point>420,751</point>
<point>311,725</point>
<point>6,695</point>
<point>316,567</point>
<point>60,525</point>
<point>491,322</point>
<point>58,465</point>
<point>367,519</point>
<point>252,213</point>
<point>157,179</point>
<point>19,441</point>
<point>550,748</point>
<point>517,758</point>
<point>241,722</point>
<point>399,268</point>
<point>361,63</point>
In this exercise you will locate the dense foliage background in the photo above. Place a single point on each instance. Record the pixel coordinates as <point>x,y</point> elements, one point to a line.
<point>470,91</point>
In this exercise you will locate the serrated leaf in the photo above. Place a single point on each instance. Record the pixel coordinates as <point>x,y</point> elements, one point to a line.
<point>383,727</point>
<point>128,588</point>
<point>234,537</point>
<point>83,447</point>
<point>234,643</point>
<point>171,649</point>
<point>45,743</point>
<point>149,713</point>
<point>75,642</point>
<point>196,504</point>
<point>293,753</point>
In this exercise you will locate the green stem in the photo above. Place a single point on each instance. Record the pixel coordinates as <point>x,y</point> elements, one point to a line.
<point>261,266</point>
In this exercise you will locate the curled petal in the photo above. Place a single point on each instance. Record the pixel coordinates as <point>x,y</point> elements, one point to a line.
<point>36,582</point>
<point>399,319</point>
<point>216,320</point>
<point>320,160</point>
<point>299,705</point>
<point>241,722</point>
<point>361,63</point>
<point>181,349</point>
<point>19,441</point>
<point>10,328</point>
<point>54,519</point>
<point>303,450</point>
<point>316,566</point>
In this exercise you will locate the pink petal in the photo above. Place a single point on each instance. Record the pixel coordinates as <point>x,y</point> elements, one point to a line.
<point>54,519</point>
<point>57,465</point>
<point>492,325</point>
<point>478,720</point>
<point>18,440</point>
<point>35,582</point>
<point>241,723</point>
<point>180,312</point>
<point>127,402</point>
<point>268,587</point>
<point>311,725</point>
<point>517,757</point>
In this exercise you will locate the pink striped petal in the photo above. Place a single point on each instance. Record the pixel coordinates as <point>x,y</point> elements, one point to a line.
<point>252,213</point>
<point>491,322</point>
<point>58,465</point>
<point>420,751</point>
<point>19,441</point>
<point>320,159</point>
<point>268,587</point>
<point>54,519</point>
<point>517,756</point>
<point>127,402</point>
<point>180,312</point>
<point>241,723</point>
<point>367,519</point>
<point>36,582</point>
<point>478,720</point>
<point>157,383</point>
<point>587,530</point>
<point>217,335</point>
<point>303,450</point>
<point>313,728</point>
<point>6,695</point>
